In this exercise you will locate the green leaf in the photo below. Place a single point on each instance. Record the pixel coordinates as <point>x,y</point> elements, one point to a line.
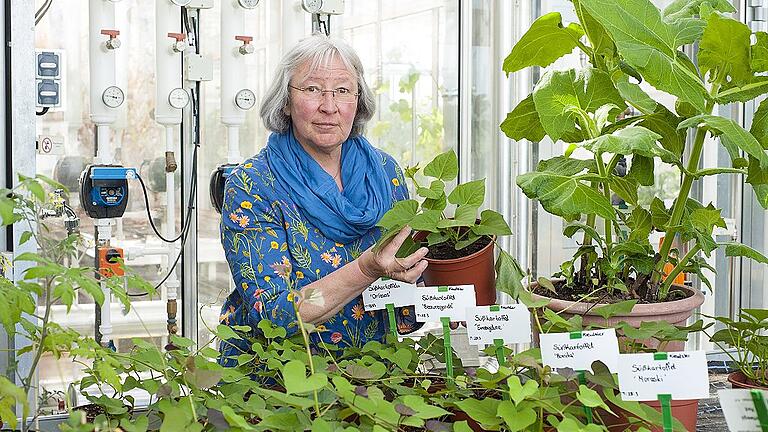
<point>25,236</point>
<point>36,189</point>
<point>759,128</point>
<point>565,196</point>
<point>465,216</point>
<point>225,332</point>
<point>471,193</point>
<point>435,191</point>
<point>566,166</point>
<point>518,392</point>
<point>625,187</point>
<point>461,426</point>
<point>659,214</point>
<point>631,140</point>
<point>740,250</point>
<point>295,379</point>
<point>759,53</point>
<point>743,93</point>
<point>634,94</point>
<point>444,166</point>
<point>724,49</point>
<point>641,170</point>
<point>690,8</point>
<point>544,42</point>
<point>732,136</point>
<point>649,44</point>
<point>641,224</point>
<point>561,95</point>
<point>399,215</point>
<point>574,227</point>
<point>482,411</point>
<point>509,275</point>
<point>426,221</point>
<point>590,398</point>
<point>491,223</point>
<point>523,122</point>
<point>402,358</point>
<point>516,420</point>
<point>614,309</point>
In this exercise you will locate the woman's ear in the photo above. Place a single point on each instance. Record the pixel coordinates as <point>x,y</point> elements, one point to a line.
<point>287,109</point>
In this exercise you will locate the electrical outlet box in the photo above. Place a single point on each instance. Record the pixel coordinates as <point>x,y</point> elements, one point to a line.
<point>48,93</point>
<point>197,67</point>
<point>49,64</point>
<point>50,145</point>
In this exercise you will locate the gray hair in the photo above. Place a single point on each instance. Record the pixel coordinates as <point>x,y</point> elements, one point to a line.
<point>317,49</point>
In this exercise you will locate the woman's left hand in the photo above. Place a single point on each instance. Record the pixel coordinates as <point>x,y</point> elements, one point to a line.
<point>384,263</point>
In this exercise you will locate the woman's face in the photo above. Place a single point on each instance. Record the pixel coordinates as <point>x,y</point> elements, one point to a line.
<point>322,124</point>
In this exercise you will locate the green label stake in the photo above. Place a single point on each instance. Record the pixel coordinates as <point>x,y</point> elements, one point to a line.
<point>762,412</point>
<point>448,350</point>
<point>392,322</point>
<point>499,344</point>
<point>666,408</point>
<point>583,381</point>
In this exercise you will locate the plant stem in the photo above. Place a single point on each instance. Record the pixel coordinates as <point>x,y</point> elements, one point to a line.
<point>664,289</point>
<point>607,192</point>
<point>309,354</point>
<point>27,382</point>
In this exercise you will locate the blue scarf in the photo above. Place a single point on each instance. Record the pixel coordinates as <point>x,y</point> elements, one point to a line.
<point>341,216</point>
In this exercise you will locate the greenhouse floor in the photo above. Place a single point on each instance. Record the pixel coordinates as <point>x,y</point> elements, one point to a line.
<point>710,414</point>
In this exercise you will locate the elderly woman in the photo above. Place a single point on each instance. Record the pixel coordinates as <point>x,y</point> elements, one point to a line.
<point>301,214</point>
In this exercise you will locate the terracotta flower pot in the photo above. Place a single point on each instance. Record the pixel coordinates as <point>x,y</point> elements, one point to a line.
<point>686,411</point>
<point>476,269</point>
<point>674,312</point>
<point>741,381</point>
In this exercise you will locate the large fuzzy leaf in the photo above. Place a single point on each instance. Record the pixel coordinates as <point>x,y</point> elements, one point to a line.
<point>523,122</point>
<point>759,53</point>
<point>689,8</point>
<point>631,140</point>
<point>633,94</point>
<point>566,166</point>
<point>740,250</point>
<point>732,136</point>
<point>724,50</point>
<point>759,128</point>
<point>560,95</point>
<point>650,45</point>
<point>544,42</point>
<point>565,196</point>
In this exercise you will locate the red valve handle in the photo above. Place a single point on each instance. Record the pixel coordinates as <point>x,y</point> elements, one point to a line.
<point>111,33</point>
<point>178,36</point>
<point>245,39</point>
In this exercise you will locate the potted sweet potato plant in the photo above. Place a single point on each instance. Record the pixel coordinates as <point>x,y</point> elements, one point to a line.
<point>461,246</point>
<point>748,347</point>
<point>627,42</point>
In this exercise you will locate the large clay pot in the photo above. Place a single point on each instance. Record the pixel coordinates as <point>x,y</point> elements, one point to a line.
<point>686,411</point>
<point>674,312</point>
<point>740,381</point>
<point>476,269</point>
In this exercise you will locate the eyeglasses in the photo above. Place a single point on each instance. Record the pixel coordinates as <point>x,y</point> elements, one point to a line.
<point>315,93</point>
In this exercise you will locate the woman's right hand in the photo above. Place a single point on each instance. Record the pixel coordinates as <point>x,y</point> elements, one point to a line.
<point>384,263</point>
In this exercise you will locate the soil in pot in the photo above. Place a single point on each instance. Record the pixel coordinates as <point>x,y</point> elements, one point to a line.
<point>741,381</point>
<point>476,269</point>
<point>446,250</point>
<point>577,293</point>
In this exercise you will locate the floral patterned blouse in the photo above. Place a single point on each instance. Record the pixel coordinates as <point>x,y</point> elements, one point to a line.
<point>271,246</point>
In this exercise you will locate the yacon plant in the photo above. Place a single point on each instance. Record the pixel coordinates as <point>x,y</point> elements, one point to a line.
<point>602,110</point>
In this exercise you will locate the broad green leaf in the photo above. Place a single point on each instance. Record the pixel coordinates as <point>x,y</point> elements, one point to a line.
<point>296,381</point>
<point>470,239</point>
<point>435,190</point>
<point>598,38</point>
<point>436,238</point>
<point>509,275</point>
<point>561,95</point>
<point>225,332</point>
<point>631,140</point>
<point>481,410</point>
<point>36,189</point>
<point>690,8</point>
<point>590,398</point>
<point>732,136</point>
<point>650,45</point>
<point>471,193</point>
<point>516,420</point>
<point>444,166</point>
<point>636,96</point>
<point>566,166</point>
<point>545,41</point>
<point>426,221</point>
<point>466,215</point>
<point>740,250</point>
<point>399,215</point>
<point>724,49</point>
<point>574,227</point>
<point>641,224</point>
<point>491,223</point>
<point>625,187</point>
<point>705,219</point>
<point>234,419</point>
<point>402,358</point>
<point>461,426</point>
<point>518,392</point>
<point>743,93</point>
<point>25,236</point>
<point>523,122</point>
<point>435,204</point>
<point>759,128</point>
<point>565,196</point>
<point>759,53</point>
<point>422,408</point>
<point>761,194</point>
<point>615,309</point>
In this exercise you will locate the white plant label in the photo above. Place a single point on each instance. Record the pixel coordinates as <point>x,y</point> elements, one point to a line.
<point>510,323</point>
<point>643,377</point>
<point>739,409</point>
<point>578,350</point>
<point>433,303</point>
<point>385,291</point>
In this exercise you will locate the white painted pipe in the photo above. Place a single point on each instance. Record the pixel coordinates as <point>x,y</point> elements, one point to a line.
<point>233,72</point>
<point>101,16</point>
<point>167,61</point>
<point>172,284</point>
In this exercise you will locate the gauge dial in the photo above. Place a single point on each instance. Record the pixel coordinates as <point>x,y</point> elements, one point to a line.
<point>113,96</point>
<point>181,2</point>
<point>312,6</point>
<point>245,99</point>
<point>178,98</point>
<point>248,4</point>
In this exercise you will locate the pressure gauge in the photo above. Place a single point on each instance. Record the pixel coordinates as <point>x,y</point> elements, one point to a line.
<point>181,3</point>
<point>312,6</point>
<point>245,99</point>
<point>113,96</point>
<point>248,4</point>
<point>178,98</point>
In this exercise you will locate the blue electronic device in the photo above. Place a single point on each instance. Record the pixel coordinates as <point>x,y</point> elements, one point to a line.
<point>104,190</point>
